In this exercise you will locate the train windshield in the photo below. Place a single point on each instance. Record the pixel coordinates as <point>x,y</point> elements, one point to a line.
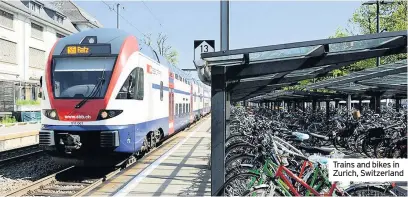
<point>76,77</point>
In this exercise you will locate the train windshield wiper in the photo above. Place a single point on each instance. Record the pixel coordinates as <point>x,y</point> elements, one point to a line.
<point>95,91</point>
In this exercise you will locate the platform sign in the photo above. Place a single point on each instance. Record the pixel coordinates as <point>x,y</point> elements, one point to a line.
<point>203,46</point>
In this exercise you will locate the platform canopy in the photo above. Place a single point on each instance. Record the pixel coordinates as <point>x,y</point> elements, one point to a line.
<point>251,72</point>
<point>388,80</point>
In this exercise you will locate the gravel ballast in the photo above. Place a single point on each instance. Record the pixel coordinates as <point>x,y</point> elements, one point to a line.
<point>17,175</point>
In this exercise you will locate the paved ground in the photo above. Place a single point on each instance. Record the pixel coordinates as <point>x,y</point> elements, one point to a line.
<point>18,136</point>
<point>180,167</point>
<point>19,129</point>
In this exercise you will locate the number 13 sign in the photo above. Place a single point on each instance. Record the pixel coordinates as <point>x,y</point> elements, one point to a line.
<point>203,46</point>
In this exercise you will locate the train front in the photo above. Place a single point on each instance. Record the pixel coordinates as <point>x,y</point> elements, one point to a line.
<point>80,118</point>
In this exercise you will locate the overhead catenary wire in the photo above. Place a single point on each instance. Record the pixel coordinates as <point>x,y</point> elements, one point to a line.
<point>125,19</point>
<point>161,25</point>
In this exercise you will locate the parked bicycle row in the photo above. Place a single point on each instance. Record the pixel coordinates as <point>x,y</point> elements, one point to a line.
<point>373,135</point>
<point>280,153</point>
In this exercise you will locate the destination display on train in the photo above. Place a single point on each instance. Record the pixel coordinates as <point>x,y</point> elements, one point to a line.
<point>87,49</point>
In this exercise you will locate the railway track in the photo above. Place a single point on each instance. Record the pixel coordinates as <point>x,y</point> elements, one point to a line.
<point>72,181</point>
<point>19,154</point>
<point>78,181</point>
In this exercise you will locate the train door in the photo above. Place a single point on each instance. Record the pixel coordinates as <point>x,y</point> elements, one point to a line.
<point>171,103</point>
<point>191,104</point>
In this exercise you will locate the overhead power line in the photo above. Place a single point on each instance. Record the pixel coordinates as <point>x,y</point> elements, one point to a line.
<point>125,19</point>
<point>152,13</point>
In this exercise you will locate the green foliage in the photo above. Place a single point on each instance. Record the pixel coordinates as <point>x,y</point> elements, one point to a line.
<point>8,120</point>
<point>393,17</point>
<point>28,102</point>
<point>162,48</point>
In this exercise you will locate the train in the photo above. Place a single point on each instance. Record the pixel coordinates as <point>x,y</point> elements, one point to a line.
<point>105,94</point>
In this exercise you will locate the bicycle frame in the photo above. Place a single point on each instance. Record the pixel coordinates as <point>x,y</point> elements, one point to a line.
<point>282,170</point>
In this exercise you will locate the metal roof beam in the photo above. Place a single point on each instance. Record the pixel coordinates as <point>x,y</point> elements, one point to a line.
<point>399,87</point>
<point>347,79</point>
<point>291,64</point>
<point>303,44</point>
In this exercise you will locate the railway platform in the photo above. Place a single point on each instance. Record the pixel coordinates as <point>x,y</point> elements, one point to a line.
<point>18,136</point>
<point>179,167</point>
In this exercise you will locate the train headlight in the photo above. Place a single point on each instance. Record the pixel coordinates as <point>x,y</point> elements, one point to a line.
<point>104,114</point>
<point>51,113</point>
<point>108,113</point>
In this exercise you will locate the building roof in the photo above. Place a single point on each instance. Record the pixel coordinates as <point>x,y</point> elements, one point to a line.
<point>75,13</point>
<point>67,25</point>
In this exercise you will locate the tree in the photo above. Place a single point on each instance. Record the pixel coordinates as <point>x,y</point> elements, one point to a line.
<point>162,48</point>
<point>393,17</point>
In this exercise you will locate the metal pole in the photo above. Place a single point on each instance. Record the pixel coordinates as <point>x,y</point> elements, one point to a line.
<point>224,25</point>
<point>117,15</point>
<point>219,124</point>
<point>378,26</point>
<point>349,102</point>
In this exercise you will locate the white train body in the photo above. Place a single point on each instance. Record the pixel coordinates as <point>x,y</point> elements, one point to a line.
<point>113,95</point>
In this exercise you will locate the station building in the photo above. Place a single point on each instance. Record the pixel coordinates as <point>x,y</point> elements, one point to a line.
<point>28,30</point>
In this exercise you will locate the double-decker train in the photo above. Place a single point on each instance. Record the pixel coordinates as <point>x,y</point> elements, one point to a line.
<point>105,95</point>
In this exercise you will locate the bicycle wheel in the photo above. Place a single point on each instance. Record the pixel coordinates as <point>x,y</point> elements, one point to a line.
<point>368,190</point>
<point>235,162</point>
<point>239,184</point>
<point>239,148</point>
<point>236,138</point>
<point>382,150</point>
<point>263,191</point>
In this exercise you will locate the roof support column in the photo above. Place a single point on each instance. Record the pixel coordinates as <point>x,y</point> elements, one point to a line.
<point>360,103</point>
<point>219,109</point>
<point>218,129</point>
<point>377,104</point>
<point>349,103</point>
<point>314,105</point>
<point>397,104</point>
<point>327,110</point>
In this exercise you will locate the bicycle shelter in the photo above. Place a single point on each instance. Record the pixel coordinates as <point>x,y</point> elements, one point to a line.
<point>386,81</point>
<point>253,73</point>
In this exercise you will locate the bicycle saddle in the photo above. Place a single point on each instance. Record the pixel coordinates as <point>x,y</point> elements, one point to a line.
<point>311,149</point>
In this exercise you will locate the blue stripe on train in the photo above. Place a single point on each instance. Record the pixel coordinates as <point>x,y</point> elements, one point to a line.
<point>157,86</point>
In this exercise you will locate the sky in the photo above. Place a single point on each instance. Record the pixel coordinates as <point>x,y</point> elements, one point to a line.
<point>251,23</point>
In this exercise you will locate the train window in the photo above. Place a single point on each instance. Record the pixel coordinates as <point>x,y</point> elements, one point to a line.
<point>176,109</point>
<point>139,84</point>
<point>126,92</point>
<point>184,108</point>
<point>161,90</point>
<point>177,76</point>
<point>180,108</point>
<point>133,87</point>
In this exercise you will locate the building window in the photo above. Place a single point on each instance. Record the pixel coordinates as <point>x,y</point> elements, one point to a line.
<point>36,58</point>
<point>34,93</point>
<point>8,51</point>
<point>6,19</point>
<point>36,31</point>
<point>35,7</point>
<point>60,35</point>
<point>59,18</point>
